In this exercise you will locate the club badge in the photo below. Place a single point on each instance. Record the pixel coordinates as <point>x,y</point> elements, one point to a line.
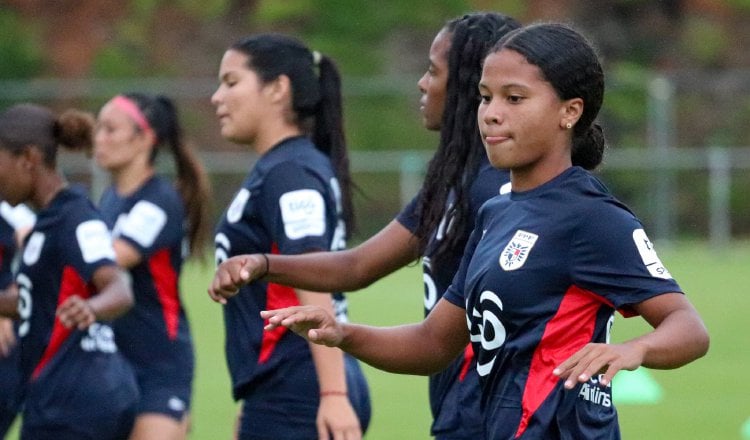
<point>517,250</point>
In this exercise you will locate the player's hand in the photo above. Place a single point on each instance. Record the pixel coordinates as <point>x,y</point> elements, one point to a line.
<point>76,312</point>
<point>7,337</point>
<point>234,273</point>
<point>311,322</point>
<point>336,419</point>
<point>604,359</point>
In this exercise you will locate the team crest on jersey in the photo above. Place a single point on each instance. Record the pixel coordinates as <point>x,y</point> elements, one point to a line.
<point>517,250</point>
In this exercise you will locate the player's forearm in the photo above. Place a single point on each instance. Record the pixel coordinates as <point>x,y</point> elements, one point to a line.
<point>346,270</point>
<point>679,339</point>
<point>405,349</point>
<point>114,299</point>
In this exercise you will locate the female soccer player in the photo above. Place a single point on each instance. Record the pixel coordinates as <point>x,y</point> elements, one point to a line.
<point>77,385</point>
<point>546,266</point>
<point>284,101</point>
<point>14,223</point>
<point>458,181</point>
<point>151,218</point>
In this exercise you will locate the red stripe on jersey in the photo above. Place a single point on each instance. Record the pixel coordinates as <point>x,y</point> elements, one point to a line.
<point>277,297</point>
<point>165,282</point>
<point>70,284</point>
<point>568,331</point>
<point>468,356</point>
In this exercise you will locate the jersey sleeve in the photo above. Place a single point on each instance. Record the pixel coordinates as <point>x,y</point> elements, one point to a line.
<point>613,257</point>
<point>151,225</point>
<point>89,248</point>
<point>408,216</point>
<point>298,212</point>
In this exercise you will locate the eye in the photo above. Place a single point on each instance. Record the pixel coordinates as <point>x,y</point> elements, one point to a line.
<point>485,98</point>
<point>515,99</point>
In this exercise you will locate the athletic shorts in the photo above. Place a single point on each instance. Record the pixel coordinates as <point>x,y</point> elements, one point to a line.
<point>282,408</point>
<point>94,400</point>
<point>169,396</point>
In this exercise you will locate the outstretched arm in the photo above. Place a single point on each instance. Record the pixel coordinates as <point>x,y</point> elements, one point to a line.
<point>423,348</point>
<point>679,337</point>
<point>347,270</point>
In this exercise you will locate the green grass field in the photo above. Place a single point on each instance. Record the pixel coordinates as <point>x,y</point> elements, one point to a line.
<point>704,400</point>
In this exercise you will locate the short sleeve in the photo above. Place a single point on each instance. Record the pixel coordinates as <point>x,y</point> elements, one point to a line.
<point>613,257</point>
<point>408,216</point>
<point>91,247</point>
<point>297,209</point>
<point>150,226</point>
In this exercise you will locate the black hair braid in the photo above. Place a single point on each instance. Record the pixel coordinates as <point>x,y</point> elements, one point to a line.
<point>460,152</point>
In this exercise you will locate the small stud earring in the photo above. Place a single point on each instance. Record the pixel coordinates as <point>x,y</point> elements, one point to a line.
<point>568,125</point>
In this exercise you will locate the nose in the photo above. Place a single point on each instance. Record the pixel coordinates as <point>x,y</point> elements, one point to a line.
<point>215,98</point>
<point>422,83</point>
<point>489,114</point>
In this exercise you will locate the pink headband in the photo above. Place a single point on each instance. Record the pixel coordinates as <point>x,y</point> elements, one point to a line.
<point>131,108</point>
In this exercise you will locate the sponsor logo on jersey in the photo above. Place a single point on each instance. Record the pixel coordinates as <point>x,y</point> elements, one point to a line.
<point>517,250</point>
<point>648,255</point>
<point>237,207</point>
<point>143,223</point>
<point>95,241</point>
<point>303,213</point>
<point>593,392</point>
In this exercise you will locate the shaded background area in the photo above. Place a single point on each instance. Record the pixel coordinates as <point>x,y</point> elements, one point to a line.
<point>678,82</point>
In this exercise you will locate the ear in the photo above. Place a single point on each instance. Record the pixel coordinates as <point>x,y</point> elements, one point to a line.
<point>30,158</point>
<point>570,112</point>
<point>280,89</point>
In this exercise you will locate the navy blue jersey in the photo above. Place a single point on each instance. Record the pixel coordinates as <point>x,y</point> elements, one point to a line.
<point>10,377</point>
<point>75,377</point>
<point>543,273</point>
<point>289,204</point>
<point>154,335</point>
<point>454,393</point>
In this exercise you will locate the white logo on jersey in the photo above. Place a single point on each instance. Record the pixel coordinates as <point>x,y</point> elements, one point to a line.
<point>100,337</point>
<point>595,393</point>
<point>176,404</point>
<point>490,325</point>
<point>303,213</point>
<point>234,213</point>
<point>648,255</point>
<point>33,248</point>
<point>143,223</point>
<point>517,251</point>
<point>94,241</point>
<point>430,289</point>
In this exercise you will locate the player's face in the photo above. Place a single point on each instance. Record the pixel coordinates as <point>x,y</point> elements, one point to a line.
<point>118,143</point>
<point>15,178</point>
<point>239,99</point>
<point>521,118</point>
<point>434,82</point>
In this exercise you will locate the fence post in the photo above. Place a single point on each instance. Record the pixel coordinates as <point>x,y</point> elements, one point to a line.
<point>410,169</point>
<point>719,187</point>
<point>661,142</point>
